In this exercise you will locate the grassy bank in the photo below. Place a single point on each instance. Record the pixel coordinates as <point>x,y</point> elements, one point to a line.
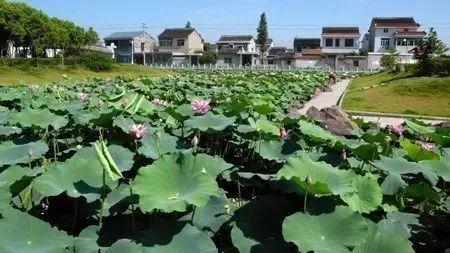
<point>400,94</point>
<point>13,75</point>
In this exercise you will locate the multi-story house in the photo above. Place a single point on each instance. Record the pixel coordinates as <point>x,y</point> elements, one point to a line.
<point>399,33</point>
<point>338,43</point>
<point>238,50</point>
<point>179,46</point>
<point>126,44</point>
<point>387,33</point>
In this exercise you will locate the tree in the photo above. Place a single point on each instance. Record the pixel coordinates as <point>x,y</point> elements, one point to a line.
<point>263,34</point>
<point>188,25</point>
<point>431,48</point>
<point>390,60</point>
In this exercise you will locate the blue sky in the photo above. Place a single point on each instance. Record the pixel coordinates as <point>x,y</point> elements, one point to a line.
<point>287,18</point>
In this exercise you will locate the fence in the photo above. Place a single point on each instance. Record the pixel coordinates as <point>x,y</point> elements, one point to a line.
<point>261,67</point>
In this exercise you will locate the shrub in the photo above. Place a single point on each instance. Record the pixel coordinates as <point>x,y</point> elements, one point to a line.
<point>389,61</point>
<point>208,57</point>
<point>441,66</point>
<point>97,62</point>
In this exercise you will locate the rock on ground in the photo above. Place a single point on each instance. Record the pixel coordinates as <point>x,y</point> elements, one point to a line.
<point>334,118</point>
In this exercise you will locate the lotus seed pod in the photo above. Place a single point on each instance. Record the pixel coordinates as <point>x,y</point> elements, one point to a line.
<point>78,146</point>
<point>388,138</point>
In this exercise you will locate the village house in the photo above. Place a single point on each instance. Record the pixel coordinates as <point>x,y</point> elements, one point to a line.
<point>179,46</point>
<point>340,45</point>
<point>238,50</point>
<point>401,34</point>
<point>126,44</point>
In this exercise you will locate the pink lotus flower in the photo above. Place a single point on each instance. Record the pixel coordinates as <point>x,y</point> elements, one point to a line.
<point>428,146</point>
<point>200,106</point>
<point>33,87</point>
<point>160,102</point>
<point>283,132</point>
<point>82,96</point>
<point>398,129</point>
<point>137,131</point>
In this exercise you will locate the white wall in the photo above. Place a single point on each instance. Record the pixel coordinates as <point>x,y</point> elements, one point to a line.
<point>341,49</point>
<point>235,59</point>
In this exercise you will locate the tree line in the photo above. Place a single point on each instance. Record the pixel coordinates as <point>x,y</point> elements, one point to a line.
<point>35,32</point>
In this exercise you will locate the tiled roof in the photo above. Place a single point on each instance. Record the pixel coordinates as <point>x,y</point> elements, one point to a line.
<point>307,42</point>
<point>176,33</point>
<point>123,35</point>
<point>340,30</point>
<point>243,38</point>
<point>277,50</point>
<point>394,22</point>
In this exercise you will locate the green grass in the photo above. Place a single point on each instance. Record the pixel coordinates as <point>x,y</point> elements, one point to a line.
<point>400,94</point>
<point>16,75</point>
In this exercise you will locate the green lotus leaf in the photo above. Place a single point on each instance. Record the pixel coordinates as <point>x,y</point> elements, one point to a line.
<point>81,175</point>
<point>5,195</point>
<point>325,179</point>
<point>83,117</point>
<point>265,126</point>
<point>258,225</point>
<point>405,219</point>
<point>419,128</point>
<point>24,233</point>
<point>367,195</point>
<point>421,192</point>
<point>386,236</point>
<point>174,182</point>
<point>189,239</point>
<point>123,123</point>
<point>41,118</point>
<point>14,154</point>
<point>213,215</point>
<point>392,184</point>
<point>123,157</point>
<point>327,233</point>
<point>416,153</point>
<point>316,132</point>
<point>210,121</point>
<point>125,246</point>
<point>440,167</point>
<point>9,130</point>
<point>157,144</point>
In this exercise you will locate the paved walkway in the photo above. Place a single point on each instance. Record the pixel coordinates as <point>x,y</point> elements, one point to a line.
<point>328,99</point>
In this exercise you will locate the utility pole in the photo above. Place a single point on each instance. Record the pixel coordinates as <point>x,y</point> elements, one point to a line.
<point>143,43</point>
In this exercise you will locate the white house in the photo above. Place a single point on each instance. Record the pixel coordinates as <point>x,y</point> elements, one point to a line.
<point>237,50</point>
<point>386,33</point>
<point>126,44</point>
<point>338,43</point>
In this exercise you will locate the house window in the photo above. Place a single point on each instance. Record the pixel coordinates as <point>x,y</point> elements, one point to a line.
<point>180,43</point>
<point>337,42</point>
<point>406,30</point>
<point>329,42</point>
<point>411,43</point>
<point>385,42</point>
<point>227,60</point>
<point>355,63</point>
<point>349,42</point>
<point>385,30</point>
<point>165,43</point>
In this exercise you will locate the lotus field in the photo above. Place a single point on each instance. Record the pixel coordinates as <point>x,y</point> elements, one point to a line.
<point>205,162</point>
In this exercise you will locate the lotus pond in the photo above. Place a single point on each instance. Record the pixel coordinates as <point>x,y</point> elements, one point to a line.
<point>211,162</point>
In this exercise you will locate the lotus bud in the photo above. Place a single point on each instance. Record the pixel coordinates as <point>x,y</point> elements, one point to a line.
<point>283,132</point>
<point>195,141</point>
<point>30,152</point>
<point>308,180</point>
<point>344,155</point>
<point>227,209</point>
<point>78,146</point>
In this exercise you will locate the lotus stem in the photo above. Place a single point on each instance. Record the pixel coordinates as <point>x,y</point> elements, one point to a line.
<point>100,220</point>
<point>133,217</point>
<point>305,200</point>
<point>239,193</point>
<point>193,213</point>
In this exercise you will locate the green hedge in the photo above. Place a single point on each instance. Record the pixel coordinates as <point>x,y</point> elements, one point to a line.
<point>98,61</point>
<point>441,66</point>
